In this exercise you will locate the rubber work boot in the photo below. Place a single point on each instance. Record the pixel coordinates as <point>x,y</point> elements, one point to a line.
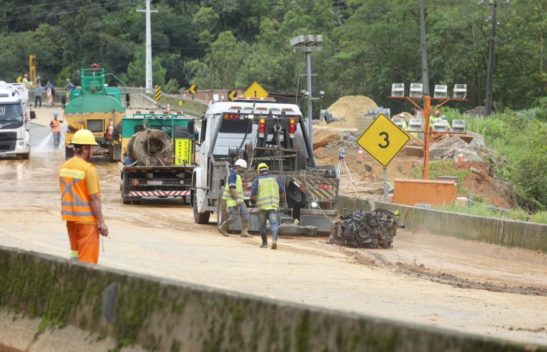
<point>274,245</point>
<point>245,231</point>
<point>223,229</point>
<point>264,245</point>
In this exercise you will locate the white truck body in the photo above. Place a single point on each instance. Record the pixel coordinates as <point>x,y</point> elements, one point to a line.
<point>14,120</point>
<point>261,131</point>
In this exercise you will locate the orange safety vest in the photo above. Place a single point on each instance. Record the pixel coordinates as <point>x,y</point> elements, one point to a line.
<point>55,125</point>
<point>75,204</point>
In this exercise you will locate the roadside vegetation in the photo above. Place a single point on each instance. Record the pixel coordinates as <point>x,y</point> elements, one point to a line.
<point>519,138</point>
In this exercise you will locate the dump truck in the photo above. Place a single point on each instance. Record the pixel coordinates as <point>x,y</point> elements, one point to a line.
<point>159,157</point>
<point>262,131</point>
<point>14,120</point>
<point>96,107</point>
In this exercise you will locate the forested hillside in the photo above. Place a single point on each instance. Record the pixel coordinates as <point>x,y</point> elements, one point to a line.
<point>368,44</point>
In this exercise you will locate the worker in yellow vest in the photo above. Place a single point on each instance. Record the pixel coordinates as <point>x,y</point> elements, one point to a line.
<point>81,200</point>
<point>233,196</point>
<point>266,193</point>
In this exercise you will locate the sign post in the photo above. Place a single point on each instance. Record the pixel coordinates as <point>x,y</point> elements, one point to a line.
<point>157,94</point>
<point>383,140</point>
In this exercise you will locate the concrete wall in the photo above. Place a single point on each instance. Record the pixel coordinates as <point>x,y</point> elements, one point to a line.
<point>172,316</point>
<point>476,228</point>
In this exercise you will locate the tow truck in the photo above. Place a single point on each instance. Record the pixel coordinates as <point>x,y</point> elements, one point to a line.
<point>262,131</point>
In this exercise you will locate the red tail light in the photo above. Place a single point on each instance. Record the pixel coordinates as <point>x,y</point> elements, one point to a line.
<point>261,127</point>
<point>292,127</point>
<point>325,186</point>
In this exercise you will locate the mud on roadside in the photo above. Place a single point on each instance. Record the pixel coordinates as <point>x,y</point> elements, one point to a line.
<point>423,272</point>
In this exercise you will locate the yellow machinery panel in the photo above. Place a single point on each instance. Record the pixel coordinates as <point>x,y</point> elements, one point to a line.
<point>183,151</point>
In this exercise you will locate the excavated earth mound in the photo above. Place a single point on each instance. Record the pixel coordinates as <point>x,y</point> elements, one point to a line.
<point>351,111</point>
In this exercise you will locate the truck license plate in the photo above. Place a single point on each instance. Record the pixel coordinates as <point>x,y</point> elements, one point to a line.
<point>154,183</point>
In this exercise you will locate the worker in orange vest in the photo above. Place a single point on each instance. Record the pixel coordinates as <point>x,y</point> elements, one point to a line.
<point>81,200</point>
<point>55,126</point>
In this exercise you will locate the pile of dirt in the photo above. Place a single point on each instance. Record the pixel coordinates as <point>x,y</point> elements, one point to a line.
<point>481,183</point>
<point>348,111</point>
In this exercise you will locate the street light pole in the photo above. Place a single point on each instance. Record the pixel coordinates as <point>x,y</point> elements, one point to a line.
<point>308,43</point>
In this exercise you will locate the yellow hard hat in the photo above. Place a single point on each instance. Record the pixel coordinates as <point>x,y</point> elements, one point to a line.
<point>84,137</point>
<point>262,166</point>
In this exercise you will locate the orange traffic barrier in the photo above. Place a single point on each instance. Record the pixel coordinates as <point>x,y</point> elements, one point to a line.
<point>432,192</point>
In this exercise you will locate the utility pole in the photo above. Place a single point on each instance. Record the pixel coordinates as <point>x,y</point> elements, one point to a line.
<point>148,11</point>
<point>491,48</point>
<point>423,49</point>
<point>425,82</point>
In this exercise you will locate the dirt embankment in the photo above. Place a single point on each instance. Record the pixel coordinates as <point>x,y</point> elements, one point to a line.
<point>363,175</point>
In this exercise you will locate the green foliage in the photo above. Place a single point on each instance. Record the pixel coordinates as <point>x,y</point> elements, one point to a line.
<point>443,168</point>
<point>519,138</point>
<point>367,44</point>
<point>171,87</point>
<point>486,210</point>
<point>136,70</point>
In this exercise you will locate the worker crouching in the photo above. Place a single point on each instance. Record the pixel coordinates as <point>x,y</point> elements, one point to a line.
<point>266,194</point>
<point>233,196</point>
<point>81,201</point>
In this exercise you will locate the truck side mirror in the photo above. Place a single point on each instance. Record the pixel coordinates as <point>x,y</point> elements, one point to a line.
<point>32,115</point>
<point>196,137</point>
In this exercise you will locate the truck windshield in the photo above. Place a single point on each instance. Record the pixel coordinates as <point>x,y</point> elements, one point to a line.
<point>231,134</point>
<point>11,113</point>
<point>11,116</point>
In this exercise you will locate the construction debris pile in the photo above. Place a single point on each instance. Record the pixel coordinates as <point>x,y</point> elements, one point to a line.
<point>366,229</point>
<point>468,152</point>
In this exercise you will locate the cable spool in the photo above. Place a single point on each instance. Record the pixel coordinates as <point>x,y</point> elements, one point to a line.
<point>151,147</point>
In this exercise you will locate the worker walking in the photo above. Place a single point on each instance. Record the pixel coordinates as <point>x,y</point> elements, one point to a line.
<point>233,196</point>
<point>266,194</point>
<point>81,200</point>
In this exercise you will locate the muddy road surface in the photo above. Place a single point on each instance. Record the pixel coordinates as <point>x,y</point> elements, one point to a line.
<point>425,279</point>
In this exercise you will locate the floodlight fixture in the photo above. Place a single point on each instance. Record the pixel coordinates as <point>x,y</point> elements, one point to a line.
<point>398,90</point>
<point>460,91</point>
<point>458,126</point>
<point>416,90</point>
<point>441,91</point>
<point>307,42</point>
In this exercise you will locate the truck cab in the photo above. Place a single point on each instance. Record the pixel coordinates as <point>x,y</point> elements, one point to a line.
<point>14,121</point>
<point>260,131</point>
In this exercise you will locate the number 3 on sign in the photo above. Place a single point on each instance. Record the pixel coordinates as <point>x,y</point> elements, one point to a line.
<point>385,143</point>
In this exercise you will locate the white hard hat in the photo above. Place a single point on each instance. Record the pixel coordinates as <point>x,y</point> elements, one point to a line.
<point>242,163</point>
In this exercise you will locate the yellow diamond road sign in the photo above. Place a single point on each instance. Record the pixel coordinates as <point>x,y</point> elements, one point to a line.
<point>255,90</point>
<point>383,139</point>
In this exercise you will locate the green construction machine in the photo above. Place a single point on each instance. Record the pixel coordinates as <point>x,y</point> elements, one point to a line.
<point>96,107</point>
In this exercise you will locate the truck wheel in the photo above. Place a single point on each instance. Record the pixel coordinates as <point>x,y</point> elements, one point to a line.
<point>25,156</point>
<point>199,218</point>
